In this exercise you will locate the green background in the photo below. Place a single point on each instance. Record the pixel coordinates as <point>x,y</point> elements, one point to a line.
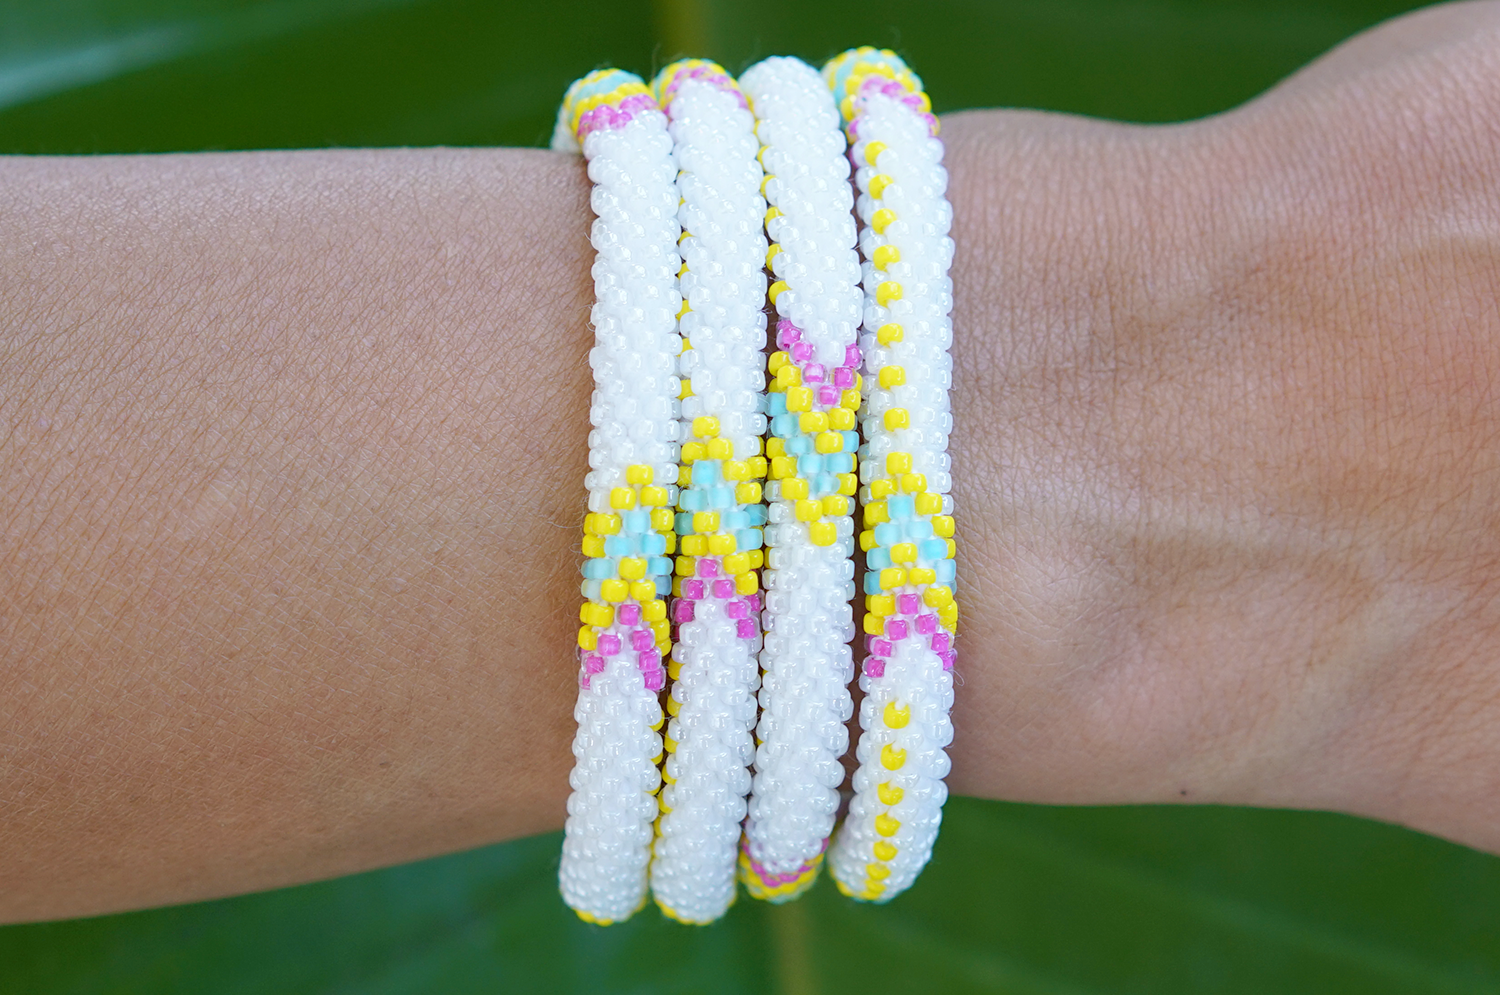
<point>1020,899</point>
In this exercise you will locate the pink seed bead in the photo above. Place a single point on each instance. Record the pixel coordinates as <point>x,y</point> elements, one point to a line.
<point>801,352</point>
<point>754,602</point>
<point>708,568</point>
<point>947,656</point>
<point>737,609</point>
<point>656,680</point>
<point>880,647</point>
<point>814,373</point>
<point>629,614</point>
<point>745,628</point>
<point>593,663</point>
<point>940,643</point>
<point>852,356</point>
<point>786,333</point>
<point>692,589</point>
<point>682,611</point>
<point>927,624</point>
<point>828,395</point>
<point>609,645</point>
<point>843,377</point>
<point>874,667</point>
<point>908,604</point>
<point>724,588</point>
<point>583,681</point>
<point>642,640</point>
<point>896,629</point>
<point>648,660</point>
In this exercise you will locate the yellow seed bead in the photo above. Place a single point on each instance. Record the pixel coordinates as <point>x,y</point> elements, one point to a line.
<point>773,213</point>
<point>881,220</point>
<point>928,503</point>
<point>840,419</point>
<point>622,498</point>
<point>757,465</point>
<point>632,567</point>
<point>693,451</point>
<point>878,183</point>
<point>684,476</point>
<point>914,483</point>
<point>788,376</point>
<point>897,463</point>
<point>942,525</point>
<point>777,361</point>
<point>783,467</point>
<point>593,545</point>
<point>881,604</point>
<point>850,399</point>
<point>892,577</point>
<point>891,376</point>
<point>747,583</point>
<point>896,718</point>
<point>686,390</point>
<point>823,533</point>
<point>596,614</point>
<point>813,422</point>
<point>757,558</point>
<point>921,575</point>
<point>736,470</point>
<point>685,566</point>
<point>771,253</point>
<point>937,597</point>
<point>706,426</point>
<point>720,449</point>
<point>952,549</point>
<point>721,545</point>
<point>827,442</point>
<point>882,488</point>
<point>886,292</point>
<point>653,497</point>
<point>671,540</point>
<point>890,794</point>
<point>848,484</point>
<point>877,872</point>
<point>809,510</point>
<point>793,489</point>
<point>835,505</point>
<point>638,473</point>
<point>775,447</point>
<point>705,521</point>
<point>587,638</point>
<point>892,758</point>
<point>674,669</point>
<point>948,615</point>
<point>799,398</point>
<point>673,707</point>
<point>736,564</point>
<point>776,289</point>
<point>607,525</point>
<point>661,629</point>
<point>889,332</point>
<point>885,256</point>
<point>661,519</point>
<point>614,590</point>
<point>904,552</point>
<point>867,540</point>
<point>874,624</point>
<point>747,493</point>
<point>886,851</point>
<point>873,150</point>
<point>876,513</point>
<point>695,545</point>
<point>896,418</point>
<point>643,590</point>
<point>886,826</point>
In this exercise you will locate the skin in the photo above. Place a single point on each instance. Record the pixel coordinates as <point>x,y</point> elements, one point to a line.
<point>292,449</point>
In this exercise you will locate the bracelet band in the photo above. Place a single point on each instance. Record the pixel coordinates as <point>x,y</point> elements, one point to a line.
<point>611,117</point>
<point>911,614</point>
<point>716,603</point>
<point>806,661</point>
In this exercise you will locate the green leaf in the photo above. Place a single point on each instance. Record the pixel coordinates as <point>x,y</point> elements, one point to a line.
<point>1019,899</point>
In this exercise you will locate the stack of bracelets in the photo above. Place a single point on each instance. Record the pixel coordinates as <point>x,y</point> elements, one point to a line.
<point>703,448</point>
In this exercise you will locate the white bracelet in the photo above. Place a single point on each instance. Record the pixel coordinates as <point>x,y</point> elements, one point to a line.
<point>631,482</point>
<point>717,605</point>
<point>804,697</point>
<point>911,617</point>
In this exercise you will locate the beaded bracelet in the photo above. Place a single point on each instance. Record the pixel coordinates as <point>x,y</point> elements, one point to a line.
<point>815,393</point>
<point>633,451</point>
<point>717,602</point>
<point>911,615</point>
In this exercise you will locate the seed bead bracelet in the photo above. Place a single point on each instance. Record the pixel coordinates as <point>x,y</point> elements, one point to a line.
<point>806,661</point>
<point>716,604</point>
<point>911,614</point>
<point>612,118</point>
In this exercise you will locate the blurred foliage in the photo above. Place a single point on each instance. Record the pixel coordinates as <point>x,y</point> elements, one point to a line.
<point>1019,899</point>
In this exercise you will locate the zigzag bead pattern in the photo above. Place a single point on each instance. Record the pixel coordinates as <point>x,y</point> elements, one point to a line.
<point>612,118</point>
<point>716,603</point>
<point>815,393</point>
<point>911,615</point>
